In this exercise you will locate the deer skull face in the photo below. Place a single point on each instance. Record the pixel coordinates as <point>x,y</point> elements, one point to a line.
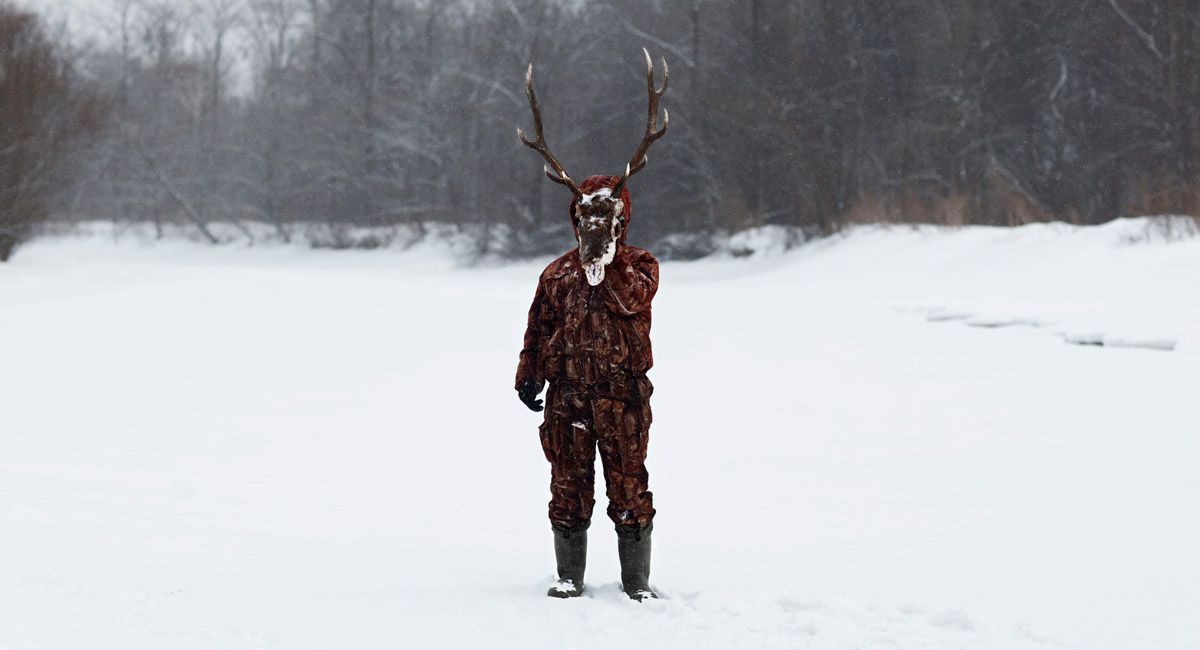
<point>599,222</point>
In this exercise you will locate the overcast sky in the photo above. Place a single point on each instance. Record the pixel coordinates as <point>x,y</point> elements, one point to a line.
<point>87,19</point>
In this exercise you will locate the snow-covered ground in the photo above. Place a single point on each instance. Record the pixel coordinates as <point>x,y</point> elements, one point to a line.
<point>271,447</point>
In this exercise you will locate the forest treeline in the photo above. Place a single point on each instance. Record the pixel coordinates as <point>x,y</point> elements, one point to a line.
<point>805,113</point>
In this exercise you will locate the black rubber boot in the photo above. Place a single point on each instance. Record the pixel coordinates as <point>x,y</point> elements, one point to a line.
<point>633,547</point>
<point>570,551</point>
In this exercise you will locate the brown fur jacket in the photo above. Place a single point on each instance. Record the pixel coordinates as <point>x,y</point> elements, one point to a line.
<point>588,335</point>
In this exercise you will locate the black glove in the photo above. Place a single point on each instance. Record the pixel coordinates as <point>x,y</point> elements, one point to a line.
<point>528,393</point>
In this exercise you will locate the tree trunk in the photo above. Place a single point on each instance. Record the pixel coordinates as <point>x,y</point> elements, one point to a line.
<point>8,244</point>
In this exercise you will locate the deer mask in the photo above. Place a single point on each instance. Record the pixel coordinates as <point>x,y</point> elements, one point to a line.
<point>600,215</point>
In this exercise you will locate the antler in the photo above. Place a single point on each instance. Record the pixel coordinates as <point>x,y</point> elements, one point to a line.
<point>638,161</point>
<point>560,175</point>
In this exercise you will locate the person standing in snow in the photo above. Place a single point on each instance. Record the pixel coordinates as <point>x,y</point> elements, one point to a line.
<point>588,335</point>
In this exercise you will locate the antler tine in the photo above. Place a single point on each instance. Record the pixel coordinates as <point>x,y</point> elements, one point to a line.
<point>539,144</point>
<point>639,159</point>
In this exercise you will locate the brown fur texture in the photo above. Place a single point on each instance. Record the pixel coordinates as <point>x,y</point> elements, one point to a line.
<point>592,344</point>
<point>616,418</point>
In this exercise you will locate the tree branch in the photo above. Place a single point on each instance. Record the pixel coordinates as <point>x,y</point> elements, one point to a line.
<point>1146,37</point>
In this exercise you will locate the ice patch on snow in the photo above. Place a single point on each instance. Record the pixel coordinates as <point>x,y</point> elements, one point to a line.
<point>940,316</point>
<point>1084,338</point>
<point>1074,337</point>
<point>988,322</point>
<point>1147,344</point>
<point>1100,339</point>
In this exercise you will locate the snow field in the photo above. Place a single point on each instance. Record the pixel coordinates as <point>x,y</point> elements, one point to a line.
<point>275,447</point>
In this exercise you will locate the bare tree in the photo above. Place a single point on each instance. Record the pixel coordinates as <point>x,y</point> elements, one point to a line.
<point>273,26</point>
<point>41,112</point>
<point>808,114</point>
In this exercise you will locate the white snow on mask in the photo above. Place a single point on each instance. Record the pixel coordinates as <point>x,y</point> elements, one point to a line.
<point>594,270</point>
<point>600,193</point>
